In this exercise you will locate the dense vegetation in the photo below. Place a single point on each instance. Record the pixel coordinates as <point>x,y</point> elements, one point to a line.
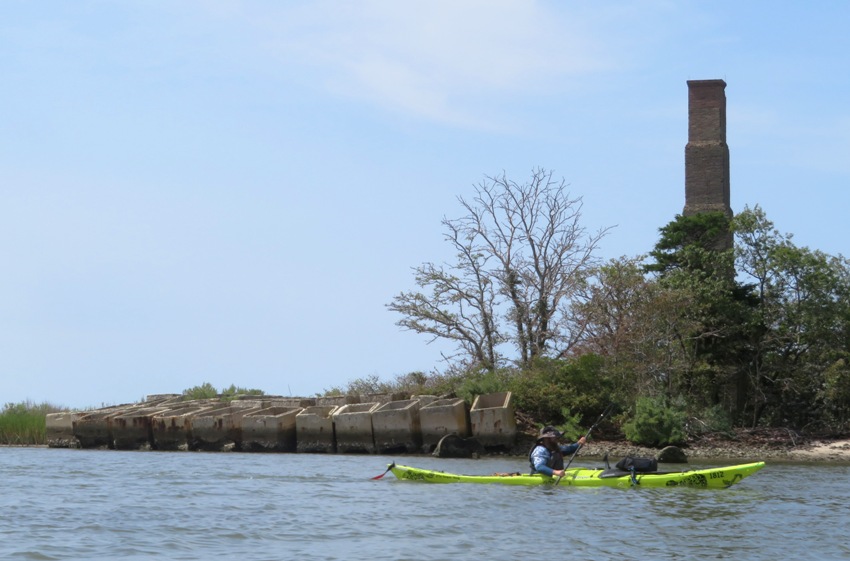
<point>724,323</point>
<point>24,423</point>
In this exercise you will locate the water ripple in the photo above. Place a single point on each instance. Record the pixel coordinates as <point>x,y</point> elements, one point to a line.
<point>89,505</point>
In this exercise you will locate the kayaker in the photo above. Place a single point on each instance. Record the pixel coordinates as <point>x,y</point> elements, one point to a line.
<point>547,456</point>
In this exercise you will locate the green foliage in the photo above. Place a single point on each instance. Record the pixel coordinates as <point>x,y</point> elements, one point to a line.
<point>714,419</point>
<point>836,393</point>
<point>691,242</point>
<point>571,425</point>
<point>24,423</point>
<point>480,382</point>
<point>656,423</point>
<point>553,385</point>
<point>204,391</point>
<point>802,330</point>
<point>208,391</point>
<point>541,397</point>
<point>694,256</point>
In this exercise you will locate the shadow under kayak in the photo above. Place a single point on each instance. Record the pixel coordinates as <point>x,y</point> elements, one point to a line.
<point>709,478</point>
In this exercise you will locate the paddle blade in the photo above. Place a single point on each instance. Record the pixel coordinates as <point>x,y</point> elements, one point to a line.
<point>389,467</point>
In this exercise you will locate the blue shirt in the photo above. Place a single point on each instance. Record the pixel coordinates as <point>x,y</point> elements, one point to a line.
<point>541,457</point>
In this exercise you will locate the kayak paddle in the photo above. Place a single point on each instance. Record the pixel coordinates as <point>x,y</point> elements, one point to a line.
<point>604,413</point>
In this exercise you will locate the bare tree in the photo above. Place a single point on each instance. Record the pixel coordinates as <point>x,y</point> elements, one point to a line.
<point>521,254</point>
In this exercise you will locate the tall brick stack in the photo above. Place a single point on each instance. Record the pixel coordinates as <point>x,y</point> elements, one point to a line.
<point>706,154</point>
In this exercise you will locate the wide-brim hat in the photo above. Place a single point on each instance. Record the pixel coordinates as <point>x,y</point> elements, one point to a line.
<point>550,432</point>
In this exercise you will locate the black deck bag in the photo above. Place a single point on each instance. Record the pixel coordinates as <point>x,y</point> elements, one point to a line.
<point>638,465</point>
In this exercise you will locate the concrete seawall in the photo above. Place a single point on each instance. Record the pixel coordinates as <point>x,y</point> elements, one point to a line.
<point>369,424</point>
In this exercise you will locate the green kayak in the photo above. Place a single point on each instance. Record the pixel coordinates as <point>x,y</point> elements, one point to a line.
<point>709,478</point>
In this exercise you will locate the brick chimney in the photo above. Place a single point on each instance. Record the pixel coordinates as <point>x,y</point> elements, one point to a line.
<point>706,154</point>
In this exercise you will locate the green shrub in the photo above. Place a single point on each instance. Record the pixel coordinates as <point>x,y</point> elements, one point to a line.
<point>714,419</point>
<point>571,425</point>
<point>656,423</point>
<point>552,386</point>
<point>208,391</point>
<point>204,391</point>
<point>482,382</point>
<point>541,397</point>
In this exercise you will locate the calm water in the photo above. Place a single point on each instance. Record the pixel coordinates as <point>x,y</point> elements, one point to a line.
<point>86,504</point>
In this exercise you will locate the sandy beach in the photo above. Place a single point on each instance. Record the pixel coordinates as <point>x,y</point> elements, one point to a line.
<point>826,451</point>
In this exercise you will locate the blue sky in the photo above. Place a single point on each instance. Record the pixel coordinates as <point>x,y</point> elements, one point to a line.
<point>231,192</point>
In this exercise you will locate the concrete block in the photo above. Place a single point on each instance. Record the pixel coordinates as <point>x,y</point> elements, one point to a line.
<point>443,417</point>
<point>249,402</point>
<point>315,429</point>
<point>337,400</point>
<point>300,402</point>
<point>131,429</point>
<point>353,428</point>
<point>270,430</point>
<point>220,429</point>
<point>425,399</point>
<point>163,399</point>
<point>92,428</point>
<point>59,428</point>
<point>396,427</point>
<point>493,420</point>
<point>383,397</point>
<point>172,429</point>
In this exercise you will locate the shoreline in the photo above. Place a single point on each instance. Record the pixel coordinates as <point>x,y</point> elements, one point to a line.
<point>744,446</point>
<point>814,452</point>
<point>741,446</point>
<point>817,452</point>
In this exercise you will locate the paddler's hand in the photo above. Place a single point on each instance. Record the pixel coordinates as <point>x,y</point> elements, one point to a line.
<point>582,441</point>
<point>558,473</point>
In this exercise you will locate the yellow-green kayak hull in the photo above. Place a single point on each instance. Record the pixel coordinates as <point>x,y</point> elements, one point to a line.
<point>708,478</point>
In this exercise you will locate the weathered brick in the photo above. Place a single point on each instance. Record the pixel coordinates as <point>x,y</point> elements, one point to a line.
<point>707,154</point>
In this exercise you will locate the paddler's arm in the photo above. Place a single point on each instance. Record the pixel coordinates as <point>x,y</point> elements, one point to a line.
<point>570,448</point>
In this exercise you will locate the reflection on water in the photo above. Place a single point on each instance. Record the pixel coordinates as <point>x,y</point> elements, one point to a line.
<point>86,504</point>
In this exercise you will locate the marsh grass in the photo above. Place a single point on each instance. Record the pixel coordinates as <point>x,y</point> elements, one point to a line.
<point>24,423</point>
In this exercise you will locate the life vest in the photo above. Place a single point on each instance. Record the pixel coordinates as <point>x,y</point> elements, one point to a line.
<point>555,461</point>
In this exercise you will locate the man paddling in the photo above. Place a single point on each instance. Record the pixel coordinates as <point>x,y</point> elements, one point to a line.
<point>547,456</point>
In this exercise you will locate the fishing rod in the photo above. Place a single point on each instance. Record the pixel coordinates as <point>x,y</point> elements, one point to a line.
<point>586,436</point>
